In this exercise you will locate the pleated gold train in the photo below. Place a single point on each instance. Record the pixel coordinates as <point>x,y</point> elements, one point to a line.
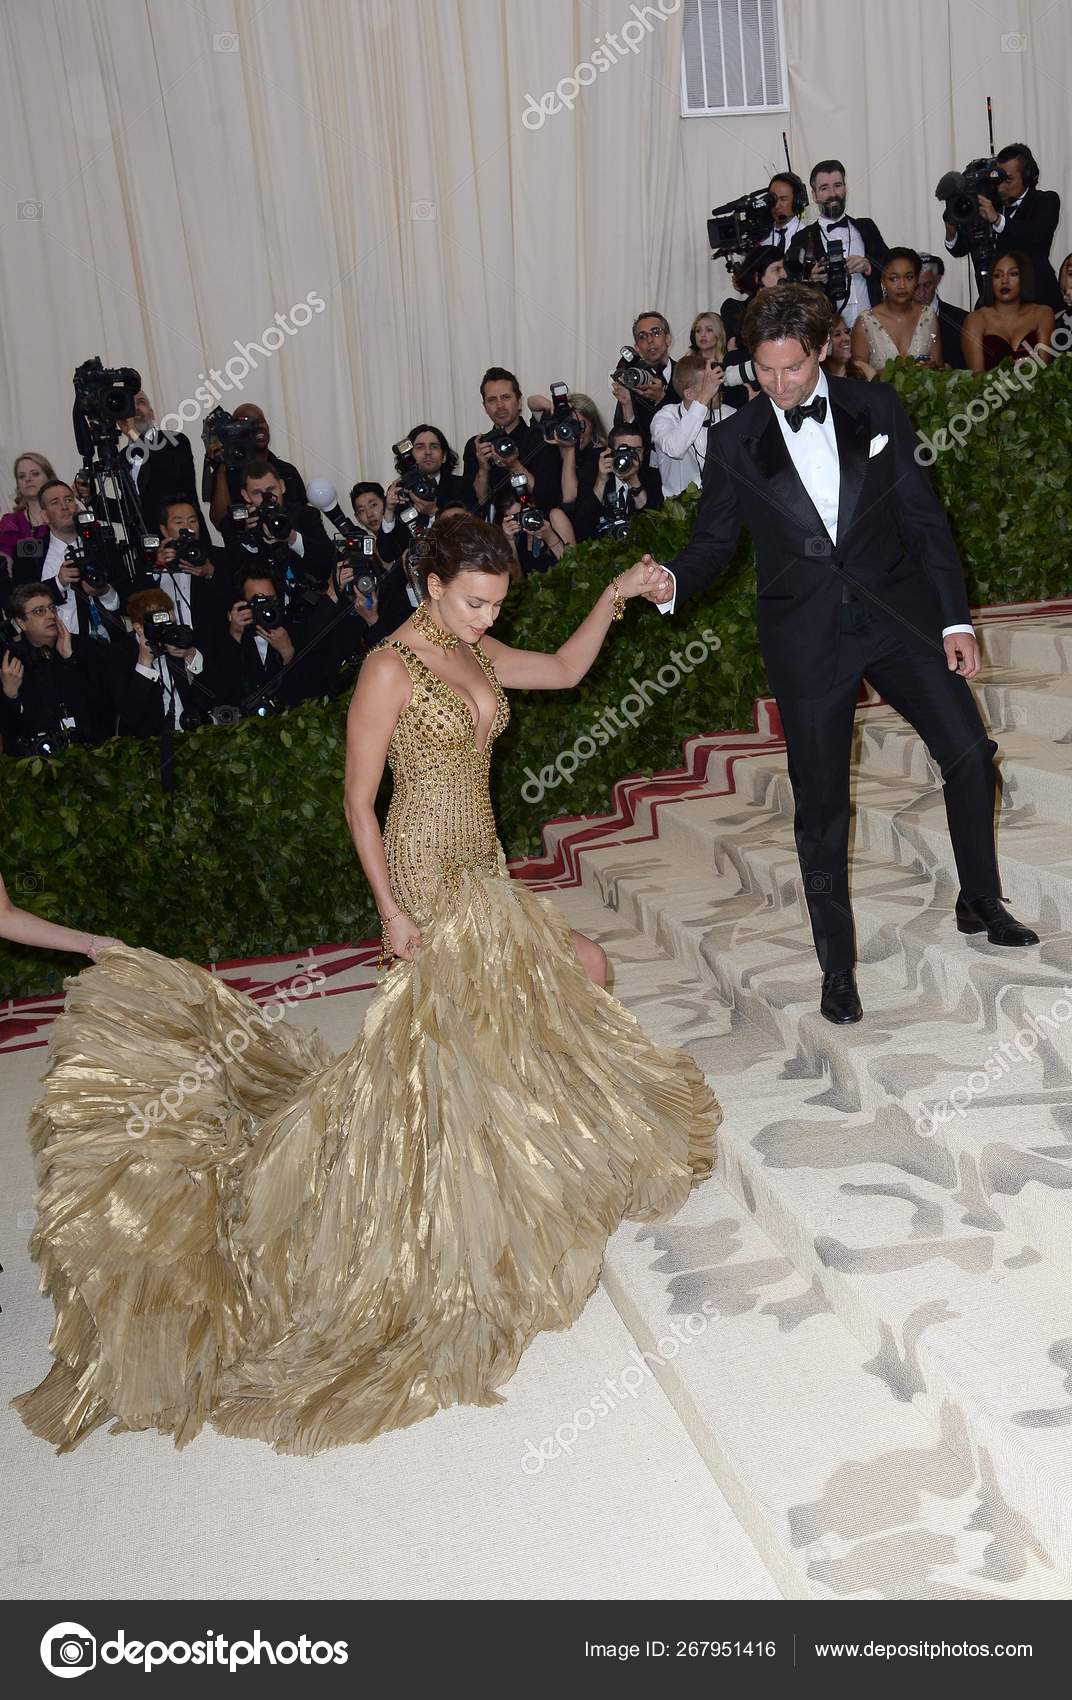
<point>313,1250</point>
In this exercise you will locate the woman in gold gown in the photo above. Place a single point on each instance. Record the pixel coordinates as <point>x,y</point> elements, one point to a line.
<point>311,1250</point>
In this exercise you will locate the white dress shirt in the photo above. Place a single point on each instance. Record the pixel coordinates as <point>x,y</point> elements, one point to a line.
<point>679,438</point>
<point>853,243</point>
<point>159,667</point>
<point>814,453</point>
<point>67,611</point>
<point>781,239</point>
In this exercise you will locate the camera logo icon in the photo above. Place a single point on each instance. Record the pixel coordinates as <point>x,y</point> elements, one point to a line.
<point>1014,43</point>
<point>818,548</point>
<point>818,883</point>
<point>68,1649</point>
<point>29,209</point>
<point>226,42</point>
<point>422,209</point>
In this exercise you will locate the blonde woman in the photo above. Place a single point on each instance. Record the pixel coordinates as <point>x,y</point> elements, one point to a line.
<point>707,337</point>
<point>24,518</point>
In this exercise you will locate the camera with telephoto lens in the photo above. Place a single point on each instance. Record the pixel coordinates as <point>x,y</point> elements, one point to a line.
<point>237,437</point>
<point>162,629</point>
<point>357,551</point>
<point>105,394</point>
<point>531,518</point>
<point>502,442</point>
<point>412,479</point>
<point>624,458</point>
<point>742,224</point>
<point>266,612</point>
<point>616,515</point>
<point>633,372</point>
<point>835,284</point>
<point>189,550</point>
<point>562,427</point>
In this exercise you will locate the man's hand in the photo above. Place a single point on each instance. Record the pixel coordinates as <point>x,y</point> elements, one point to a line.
<point>653,391</point>
<point>97,589</point>
<point>424,506</point>
<point>962,653</point>
<point>11,675</point>
<point>166,556</point>
<point>64,646</point>
<point>392,496</point>
<point>279,639</point>
<point>238,619</point>
<point>989,211</point>
<point>181,654</point>
<point>857,263</point>
<point>70,573</point>
<point>658,584</point>
<point>483,452</point>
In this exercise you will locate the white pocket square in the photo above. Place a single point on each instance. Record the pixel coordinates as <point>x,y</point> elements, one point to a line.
<point>877,445</point>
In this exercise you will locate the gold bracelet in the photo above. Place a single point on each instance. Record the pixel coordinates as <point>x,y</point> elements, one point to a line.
<point>619,601</point>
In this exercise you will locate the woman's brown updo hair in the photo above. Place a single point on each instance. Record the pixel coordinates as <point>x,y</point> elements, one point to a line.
<point>461,544</point>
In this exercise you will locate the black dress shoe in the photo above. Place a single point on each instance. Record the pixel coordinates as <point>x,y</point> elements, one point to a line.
<point>840,1001</point>
<point>988,915</point>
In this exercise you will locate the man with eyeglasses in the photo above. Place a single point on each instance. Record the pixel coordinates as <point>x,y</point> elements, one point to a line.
<point>54,685</point>
<point>651,339</point>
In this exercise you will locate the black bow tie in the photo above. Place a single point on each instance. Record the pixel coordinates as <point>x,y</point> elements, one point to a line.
<point>795,416</point>
<point>838,224</point>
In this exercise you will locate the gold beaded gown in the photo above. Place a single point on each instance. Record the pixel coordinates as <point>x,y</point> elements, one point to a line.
<point>311,1250</point>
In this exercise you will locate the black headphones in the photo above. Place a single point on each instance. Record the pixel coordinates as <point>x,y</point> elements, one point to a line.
<point>800,193</point>
<point>1028,163</point>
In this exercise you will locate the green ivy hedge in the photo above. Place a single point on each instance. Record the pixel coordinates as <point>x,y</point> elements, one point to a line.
<point>249,854</point>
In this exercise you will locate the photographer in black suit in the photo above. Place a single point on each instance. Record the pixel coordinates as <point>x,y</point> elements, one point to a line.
<point>484,469</point>
<point>193,573</point>
<point>55,686</point>
<point>857,578</point>
<point>1026,218</point>
<point>157,684</point>
<point>865,250</point>
<point>265,634</point>
<point>160,462</point>
<point>308,551</point>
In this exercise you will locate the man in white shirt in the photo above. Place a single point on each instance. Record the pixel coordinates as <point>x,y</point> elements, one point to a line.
<point>860,238</point>
<point>145,709</point>
<point>679,430</point>
<point>78,609</point>
<point>857,576</point>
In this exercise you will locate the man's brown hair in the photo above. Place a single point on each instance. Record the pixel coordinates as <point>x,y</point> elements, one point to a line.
<point>787,310</point>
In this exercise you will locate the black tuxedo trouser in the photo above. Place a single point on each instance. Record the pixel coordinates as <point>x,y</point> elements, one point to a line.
<point>818,732</point>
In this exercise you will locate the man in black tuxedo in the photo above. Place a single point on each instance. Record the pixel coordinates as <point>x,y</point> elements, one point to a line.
<point>309,555</point>
<point>1026,219</point>
<point>652,337</point>
<point>865,250</point>
<point>950,319</point>
<point>857,577</point>
<point>160,463</point>
<point>195,575</point>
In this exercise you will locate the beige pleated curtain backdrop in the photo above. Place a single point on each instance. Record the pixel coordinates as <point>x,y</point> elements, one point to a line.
<point>174,175</point>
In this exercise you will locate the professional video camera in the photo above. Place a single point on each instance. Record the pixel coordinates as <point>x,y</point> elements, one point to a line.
<point>162,629</point>
<point>418,483</point>
<point>531,518</point>
<point>633,372</point>
<point>105,394</point>
<point>833,274</point>
<point>237,437</point>
<point>741,224</point>
<point>959,192</point>
<point>562,426</point>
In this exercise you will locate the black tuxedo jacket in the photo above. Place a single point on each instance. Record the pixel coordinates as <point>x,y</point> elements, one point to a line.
<point>1031,228</point>
<point>140,702</point>
<point>168,471</point>
<point>950,324</point>
<point>894,551</point>
<point>808,243</point>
